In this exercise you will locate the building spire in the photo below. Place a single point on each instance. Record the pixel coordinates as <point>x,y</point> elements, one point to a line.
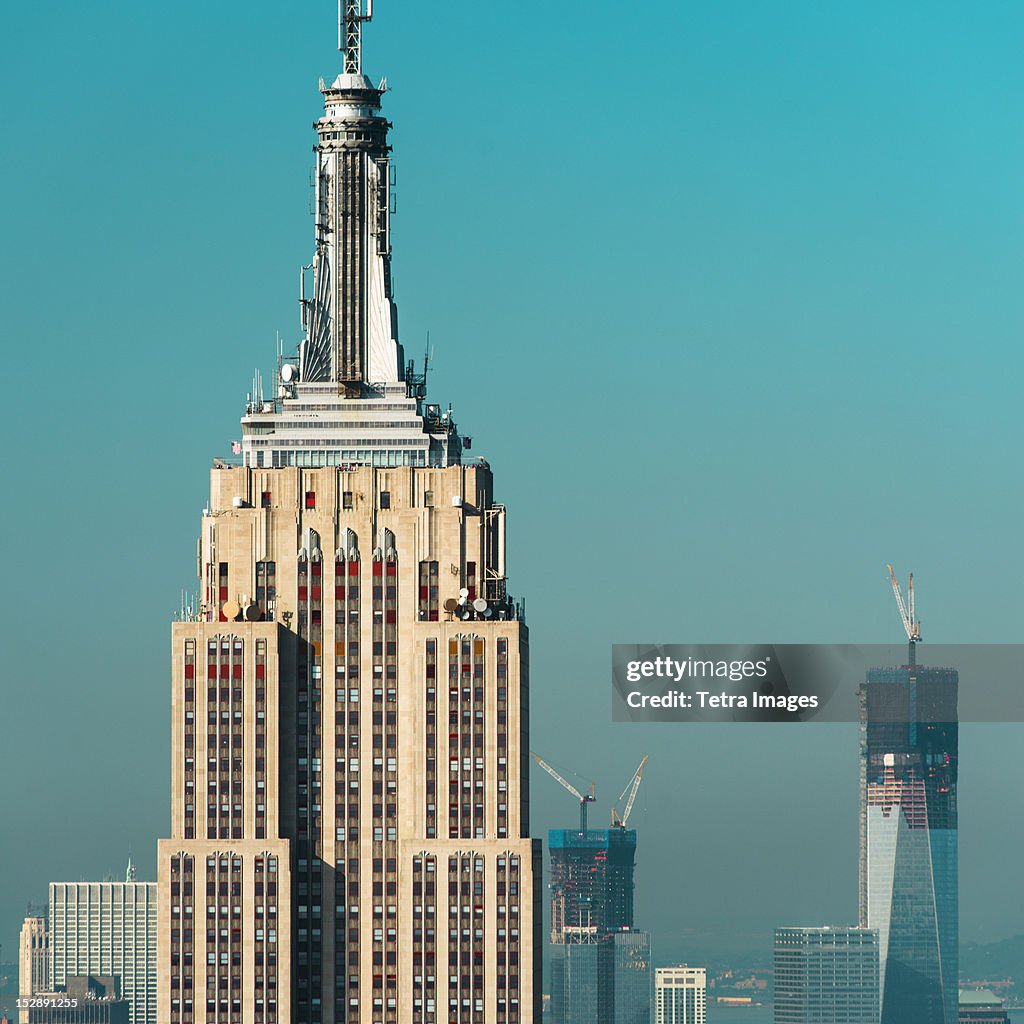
<point>350,33</point>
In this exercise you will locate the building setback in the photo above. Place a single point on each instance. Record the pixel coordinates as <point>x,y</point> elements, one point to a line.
<point>680,995</point>
<point>350,807</point>
<point>827,974</point>
<point>908,832</point>
<point>107,929</point>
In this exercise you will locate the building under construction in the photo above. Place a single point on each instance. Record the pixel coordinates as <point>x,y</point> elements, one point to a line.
<point>591,882</point>
<point>600,964</point>
<point>909,759</point>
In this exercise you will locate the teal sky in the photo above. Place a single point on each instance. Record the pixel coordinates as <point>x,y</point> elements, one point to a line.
<point>729,294</point>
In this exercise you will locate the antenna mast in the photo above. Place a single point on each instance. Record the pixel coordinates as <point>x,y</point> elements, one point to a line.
<point>911,625</point>
<point>350,33</point>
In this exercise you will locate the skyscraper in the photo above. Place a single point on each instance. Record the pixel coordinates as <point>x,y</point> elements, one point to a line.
<point>600,964</point>
<point>33,961</point>
<point>680,995</point>
<point>350,696</point>
<point>908,829</point>
<point>107,929</point>
<point>591,881</point>
<point>827,974</point>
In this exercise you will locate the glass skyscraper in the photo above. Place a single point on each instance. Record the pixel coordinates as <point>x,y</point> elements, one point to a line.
<point>908,829</point>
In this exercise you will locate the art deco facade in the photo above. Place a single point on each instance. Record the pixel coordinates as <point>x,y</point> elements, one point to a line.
<point>350,834</point>
<point>33,961</point>
<point>908,863</point>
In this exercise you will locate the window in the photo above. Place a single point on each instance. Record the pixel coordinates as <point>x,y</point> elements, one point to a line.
<point>265,499</point>
<point>310,499</point>
<point>428,499</point>
<point>385,499</point>
<point>346,499</point>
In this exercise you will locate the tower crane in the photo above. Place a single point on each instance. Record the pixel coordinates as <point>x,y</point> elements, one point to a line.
<point>631,787</point>
<point>911,626</point>
<point>584,798</point>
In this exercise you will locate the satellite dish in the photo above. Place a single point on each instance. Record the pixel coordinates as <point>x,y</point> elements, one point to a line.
<point>230,610</point>
<point>480,605</point>
<point>288,373</point>
<point>252,613</point>
<point>450,605</point>
<point>463,592</point>
<point>488,613</point>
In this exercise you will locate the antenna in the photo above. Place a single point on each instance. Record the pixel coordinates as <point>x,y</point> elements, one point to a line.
<point>350,33</point>
<point>911,625</point>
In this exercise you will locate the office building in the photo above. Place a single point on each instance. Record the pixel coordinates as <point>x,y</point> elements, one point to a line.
<point>107,929</point>
<point>827,975</point>
<point>83,999</point>
<point>625,982</point>
<point>680,995</point>
<point>908,829</point>
<point>982,1006</point>
<point>349,826</point>
<point>33,961</point>
<point>575,969</point>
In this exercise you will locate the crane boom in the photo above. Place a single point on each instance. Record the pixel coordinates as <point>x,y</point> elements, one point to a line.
<point>911,625</point>
<point>905,618</point>
<point>558,778</point>
<point>584,798</point>
<point>634,788</point>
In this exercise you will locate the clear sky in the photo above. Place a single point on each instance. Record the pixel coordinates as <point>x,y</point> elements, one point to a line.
<point>729,294</point>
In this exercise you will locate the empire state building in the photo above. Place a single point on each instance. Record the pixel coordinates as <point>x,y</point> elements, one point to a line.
<point>350,731</point>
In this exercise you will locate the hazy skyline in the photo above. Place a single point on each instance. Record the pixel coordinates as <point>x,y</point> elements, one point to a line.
<point>737,292</point>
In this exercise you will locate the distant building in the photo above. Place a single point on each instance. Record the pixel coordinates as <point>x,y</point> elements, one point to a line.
<point>625,989</point>
<point>603,981</point>
<point>33,961</point>
<point>981,1006</point>
<point>600,964</point>
<point>680,995</point>
<point>574,973</point>
<point>591,881</point>
<point>908,838</point>
<point>107,929</point>
<point>85,999</point>
<point>827,974</point>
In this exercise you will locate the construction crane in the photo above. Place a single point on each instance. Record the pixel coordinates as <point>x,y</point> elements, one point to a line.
<point>631,787</point>
<point>584,798</point>
<point>911,626</point>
